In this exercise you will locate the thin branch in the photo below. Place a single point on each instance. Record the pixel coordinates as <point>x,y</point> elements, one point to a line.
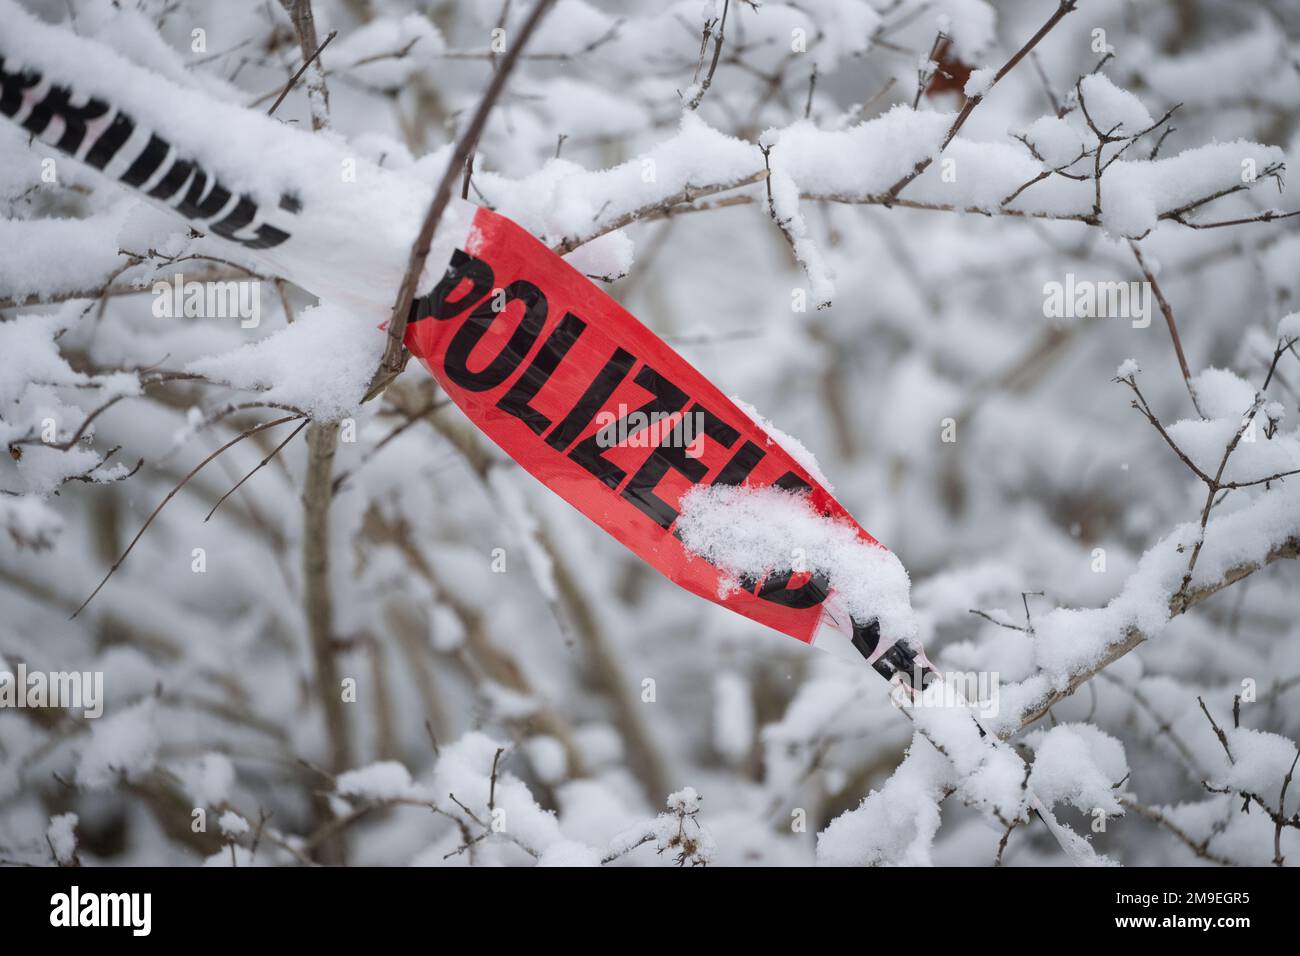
<point>1065,7</point>
<point>293,80</point>
<point>687,201</point>
<point>76,436</point>
<point>1278,859</point>
<point>411,419</point>
<point>662,209</point>
<point>1167,311</point>
<point>127,288</point>
<point>171,494</point>
<point>1218,731</point>
<point>1199,847</point>
<point>926,71</point>
<point>395,354</point>
<point>1140,403</point>
<point>718,39</point>
<point>1269,216</point>
<point>260,465</point>
<point>1132,637</point>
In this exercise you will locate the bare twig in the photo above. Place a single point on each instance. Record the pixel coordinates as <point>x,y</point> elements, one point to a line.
<point>1199,847</point>
<point>395,354</point>
<point>925,72</point>
<point>1278,859</point>
<point>411,419</point>
<point>688,201</point>
<point>702,86</point>
<point>293,80</point>
<point>260,465</point>
<point>1132,637</point>
<point>1065,7</point>
<point>171,494</point>
<point>1167,311</point>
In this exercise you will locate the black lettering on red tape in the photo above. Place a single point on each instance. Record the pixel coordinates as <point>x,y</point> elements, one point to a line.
<point>594,405</point>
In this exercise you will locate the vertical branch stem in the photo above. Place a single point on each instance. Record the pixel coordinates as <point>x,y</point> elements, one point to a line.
<point>318,95</point>
<point>318,597</point>
<point>394,359</point>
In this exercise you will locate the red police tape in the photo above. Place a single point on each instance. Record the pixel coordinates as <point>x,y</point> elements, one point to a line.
<point>602,411</point>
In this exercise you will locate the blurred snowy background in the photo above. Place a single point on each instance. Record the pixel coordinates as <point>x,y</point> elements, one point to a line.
<point>468,634</point>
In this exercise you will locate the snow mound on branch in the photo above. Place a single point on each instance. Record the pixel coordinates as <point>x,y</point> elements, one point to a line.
<point>979,82</point>
<point>62,834</point>
<point>569,853</point>
<point>321,364</point>
<point>126,743</point>
<point>232,824</point>
<point>896,824</point>
<point>677,833</point>
<point>1080,765</point>
<point>385,780</point>
<point>1289,327</point>
<point>29,345</point>
<point>752,532</point>
<point>88,251</point>
<point>1071,641</point>
<point>685,800</point>
<point>971,24</point>
<point>1134,194</point>
<point>563,200</point>
<point>784,193</point>
<point>465,769</point>
<point>988,776</point>
<point>1222,393</point>
<point>861,161</point>
<point>207,780</point>
<point>1261,762</point>
<point>1113,110</point>
<point>1055,140</point>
